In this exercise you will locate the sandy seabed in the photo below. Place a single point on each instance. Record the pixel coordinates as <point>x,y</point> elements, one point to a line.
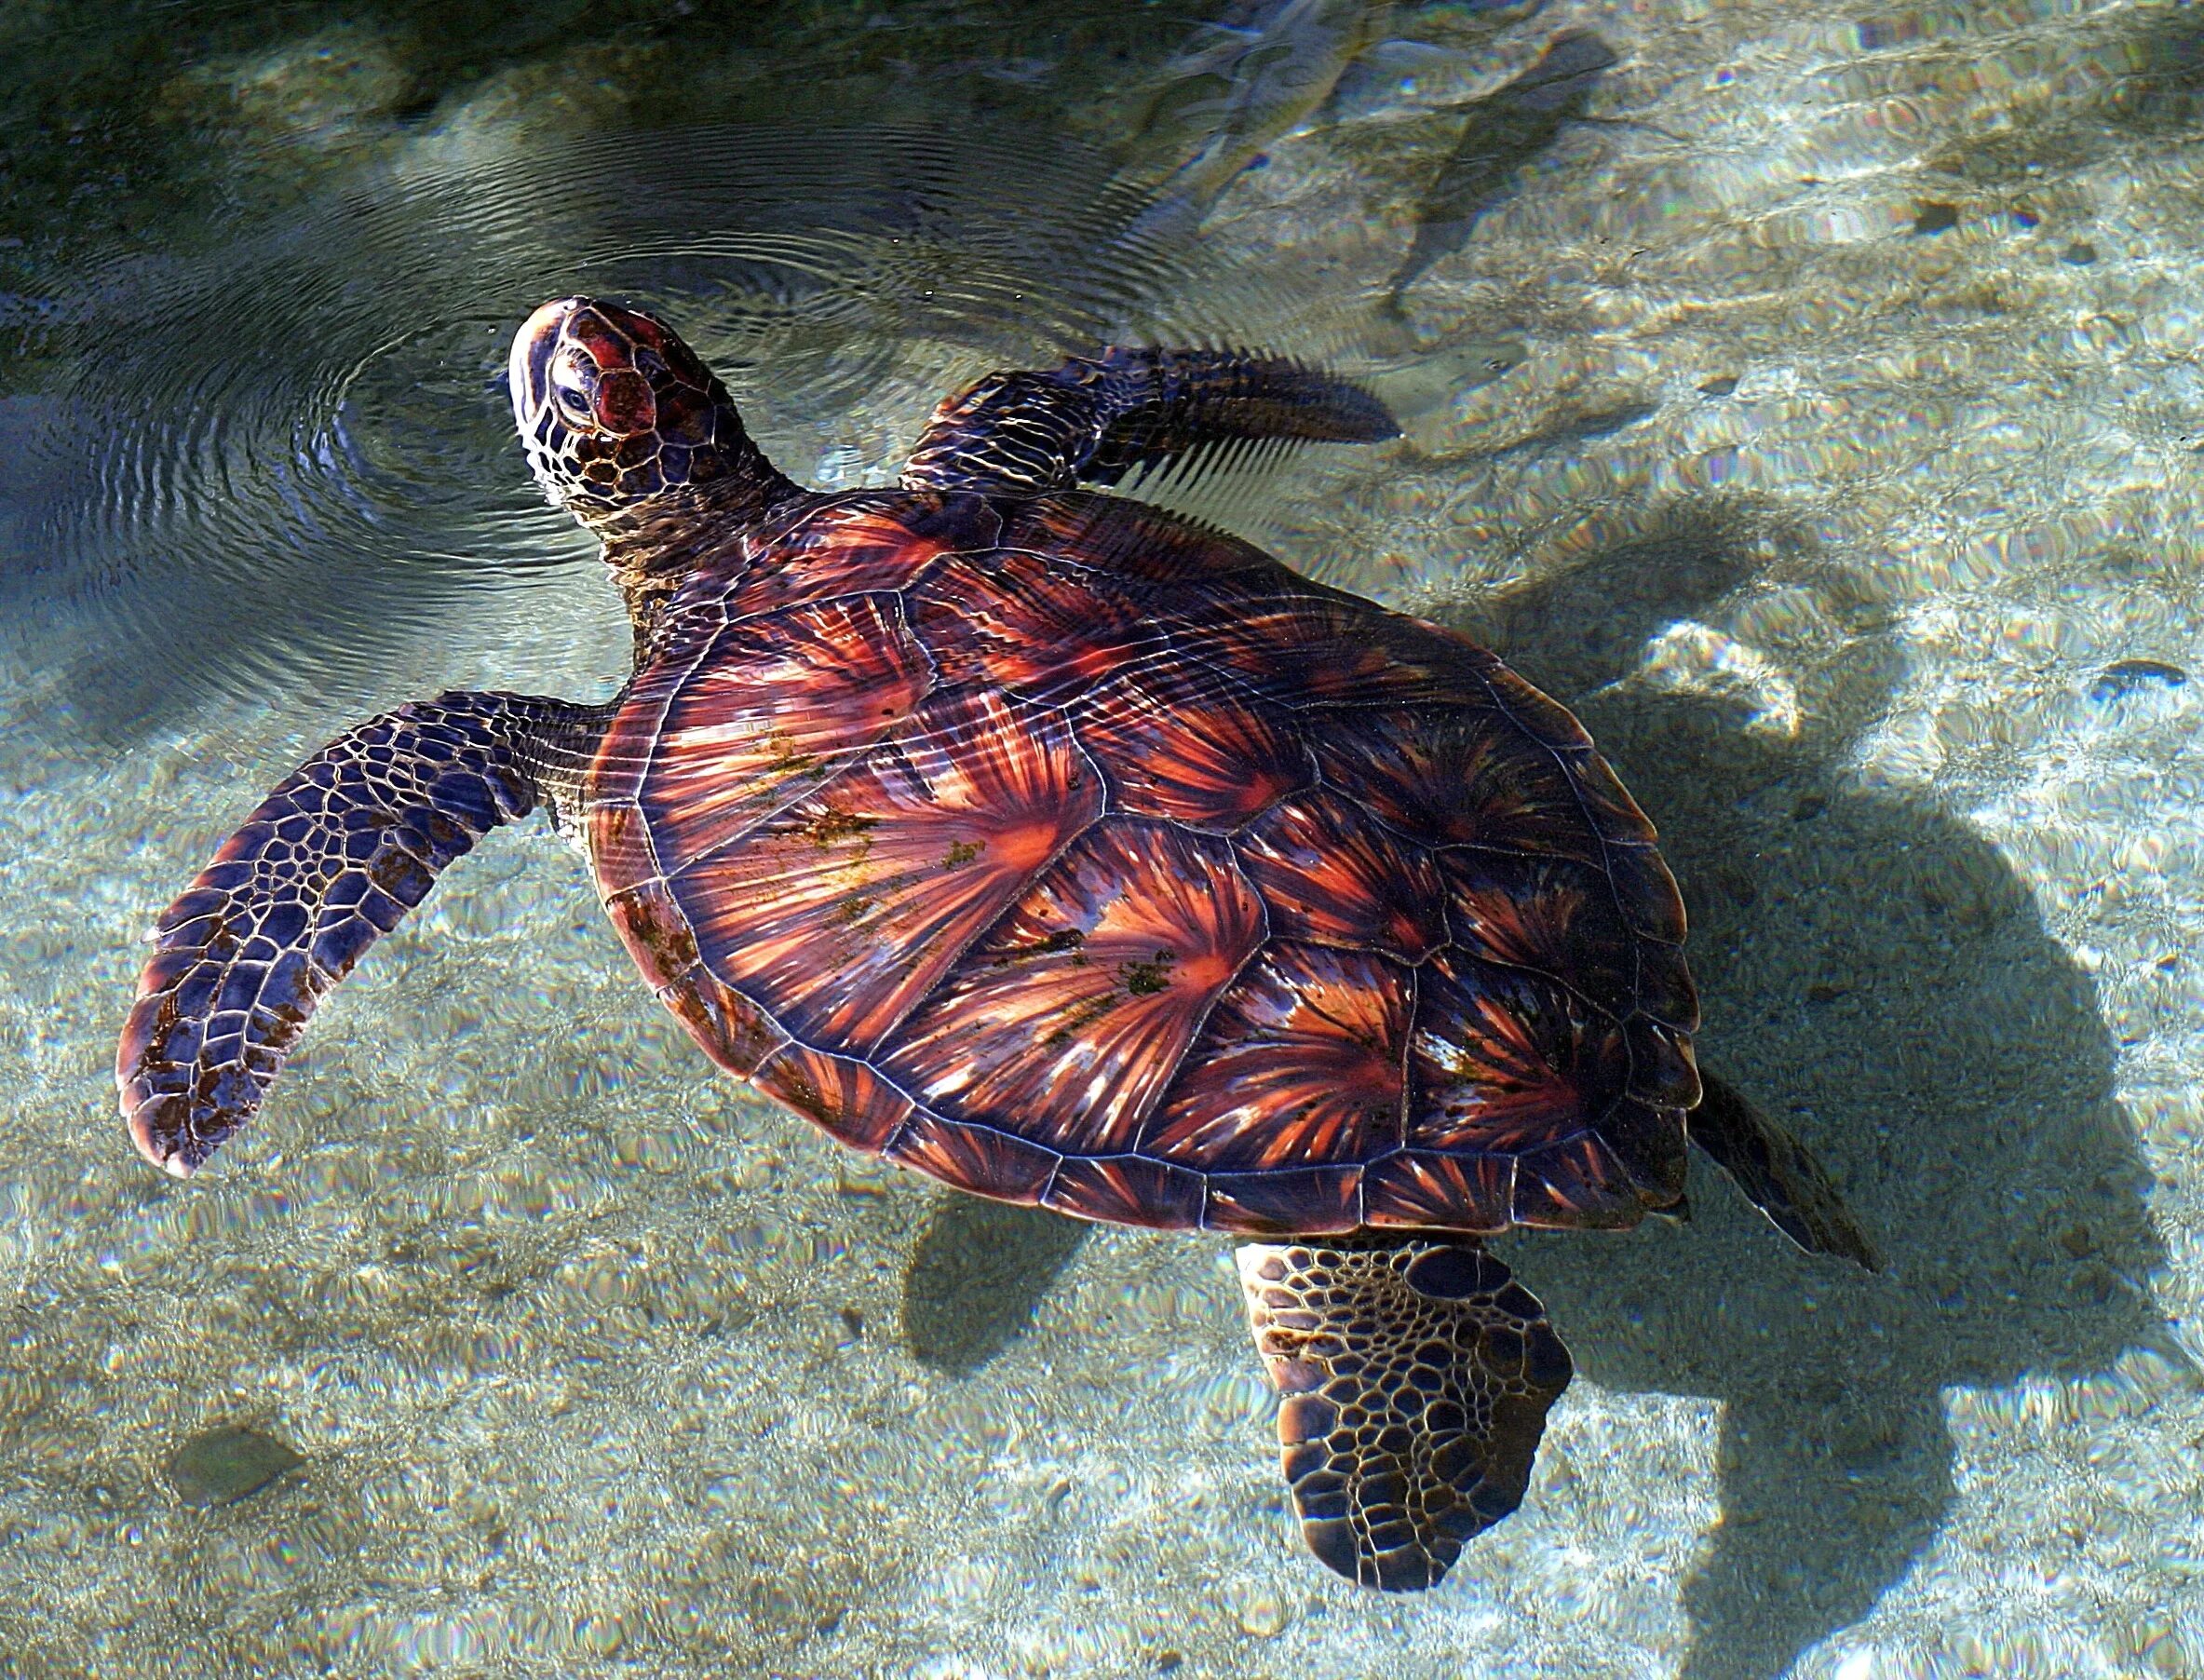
<point>1850,471</point>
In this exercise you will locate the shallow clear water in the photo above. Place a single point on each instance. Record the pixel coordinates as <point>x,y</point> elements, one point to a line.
<point>1815,409</point>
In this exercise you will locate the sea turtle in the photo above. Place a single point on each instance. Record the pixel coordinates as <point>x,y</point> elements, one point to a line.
<point>1074,854</point>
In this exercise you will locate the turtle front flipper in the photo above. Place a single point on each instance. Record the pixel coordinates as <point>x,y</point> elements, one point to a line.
<point>343,847</point>
<point>1416,1373</point>
<point>1094,419</point>
<point>1777,1173</point>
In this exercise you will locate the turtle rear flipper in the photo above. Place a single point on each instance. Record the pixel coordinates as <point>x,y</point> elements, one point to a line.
<point>1093,420</point>
<point>1417,1374</point>
<point>1777,1174</point>
<point>343,847</point>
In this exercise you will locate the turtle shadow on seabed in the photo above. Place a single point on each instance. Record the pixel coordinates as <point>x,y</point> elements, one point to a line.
<point>1875,975</point>
<point>979,1272</point>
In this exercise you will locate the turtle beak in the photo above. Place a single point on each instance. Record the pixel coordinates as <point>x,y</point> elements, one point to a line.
<point>528,373</point>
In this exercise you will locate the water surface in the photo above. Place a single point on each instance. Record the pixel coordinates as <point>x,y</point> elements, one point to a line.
<point>1809,398</point>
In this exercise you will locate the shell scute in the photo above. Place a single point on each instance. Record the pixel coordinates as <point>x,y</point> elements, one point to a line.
<point>1504,1061</point>
<point>1665,988</point>
<point>729,1028</point>
<point>1649,1141</point>
<point>1297,1201</point>
<point>657,935</point>
<point>844,1098</point>
<point>1545,721</point>
<point>1576,1184</point>
<point>1550,914</point>
<point>983,1159</point>
<point>1456,777</point>
<point>1332,874</point>
<point>1422,1189</point>
<point>1182,743</point>
<point>871,545</point>
<point>1071,1016</point>
<point>1662,1070</point>
<point>1301,1060</point>
<point>1127,1189</point>
<point>1305,646</point>
<point>1646,891</point>
<point>1046,630</point>
<point>620,844</point>
<point>845,909</point>
<point>1131,539</point>
<point>1608,803</point>
<point>773,708</point>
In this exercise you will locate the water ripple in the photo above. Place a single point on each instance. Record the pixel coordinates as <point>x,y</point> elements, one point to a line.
<point>268,465</point>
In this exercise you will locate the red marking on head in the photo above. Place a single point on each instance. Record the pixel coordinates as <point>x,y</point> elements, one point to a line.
<point>588,328</point>
<point>624,402</point>
<point>641,329</point>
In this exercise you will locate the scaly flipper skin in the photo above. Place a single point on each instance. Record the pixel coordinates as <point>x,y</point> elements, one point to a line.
<point>1092,421</point>
<point>1417,1374</point>
<point>1777,1174</point>
<point>343,847</point>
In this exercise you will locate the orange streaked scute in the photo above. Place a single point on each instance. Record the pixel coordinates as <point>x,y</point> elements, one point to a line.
<point>1182,743</point>
<point>1297,1200</point>
<point>1066,1023</point>
<point>1076,855</point>
<point>1045,629</point>
<point>1124,538</point>
<point>1301,646</point>
<point>1551,916</point>
<point>1303,1059</point>
<point>844,910</point>
<point>1332,874</point>
<point>775,709</point>
<point>1459,777</point>
<point>844,1098</point>
<point>1503,1060</point>
<point>867,545</point>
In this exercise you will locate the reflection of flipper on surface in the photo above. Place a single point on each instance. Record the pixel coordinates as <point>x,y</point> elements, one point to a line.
<point>1776,1170</point>
<point>1416,1375</point>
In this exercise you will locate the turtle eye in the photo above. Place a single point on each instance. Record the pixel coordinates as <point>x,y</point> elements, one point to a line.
<point>570,389</point>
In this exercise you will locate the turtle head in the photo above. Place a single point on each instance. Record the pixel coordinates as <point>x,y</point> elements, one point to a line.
<point>623,422</point>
